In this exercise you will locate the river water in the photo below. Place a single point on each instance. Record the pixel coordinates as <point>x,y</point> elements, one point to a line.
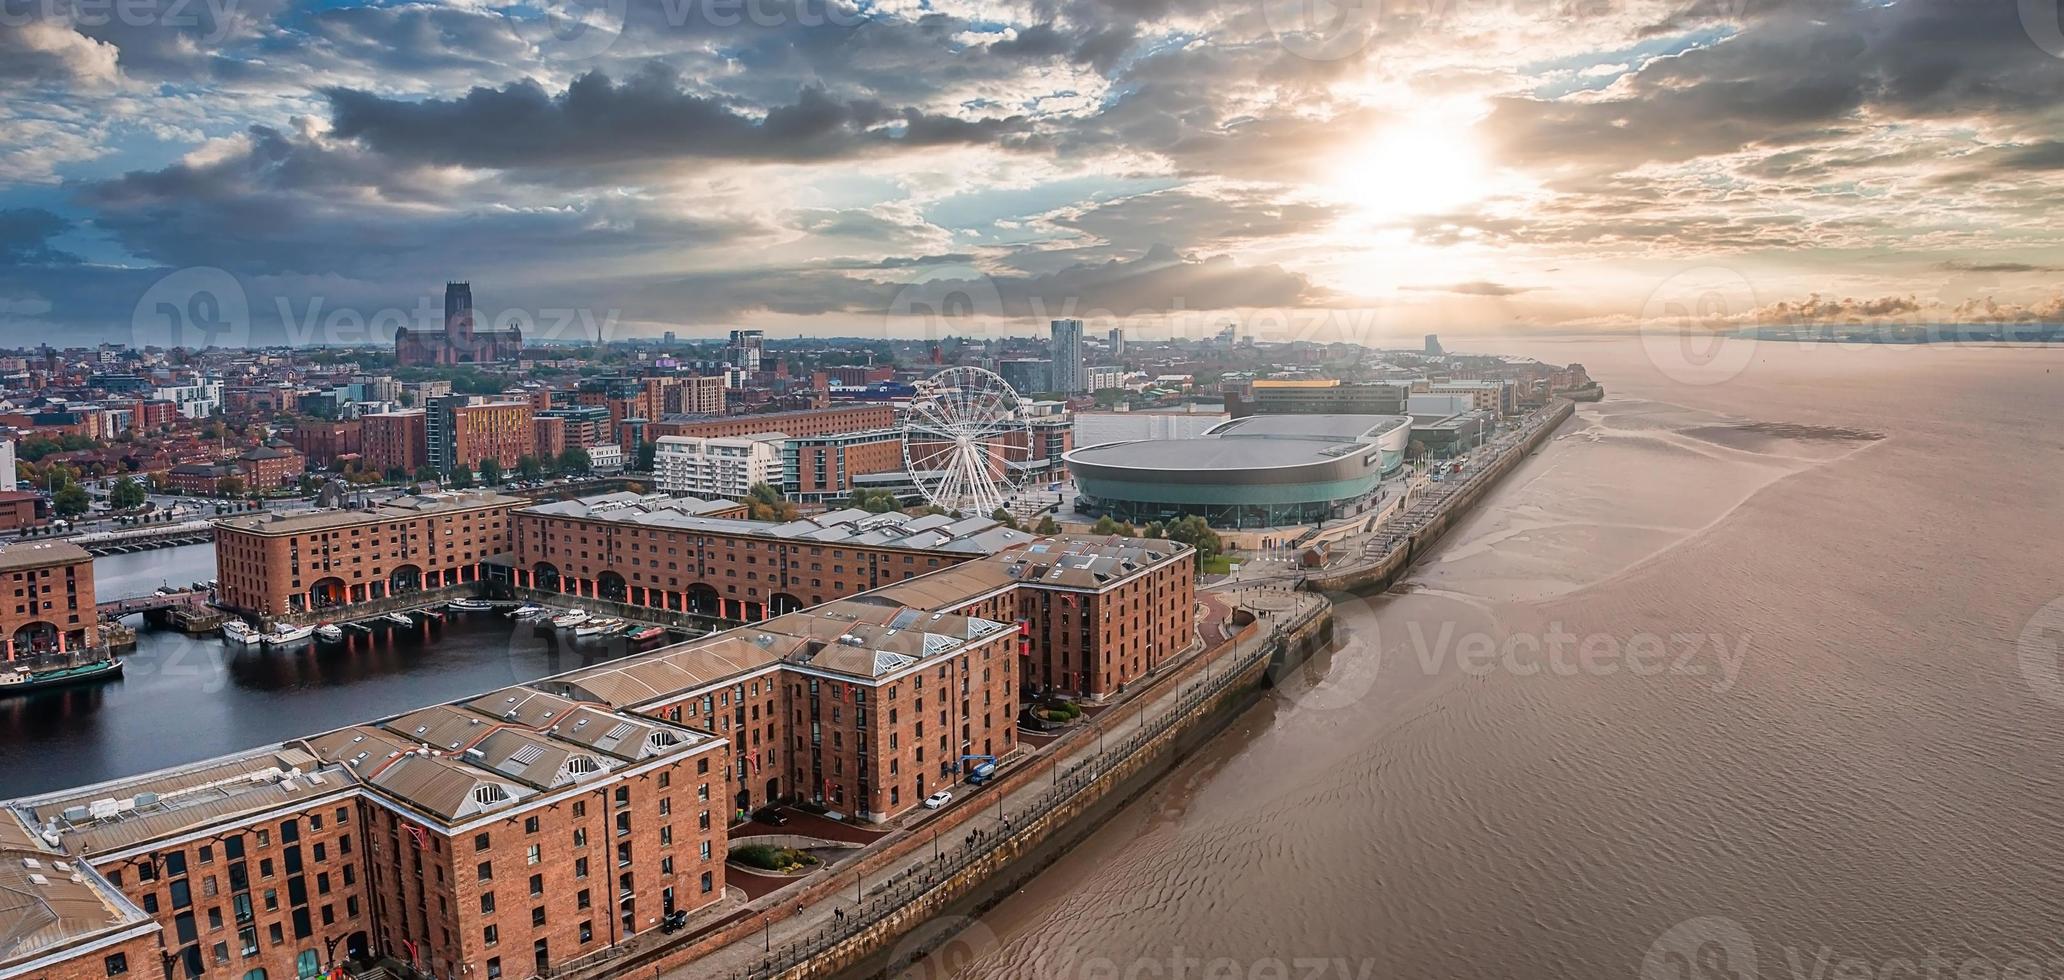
<point>182,699</point>
<point>1756,677</point>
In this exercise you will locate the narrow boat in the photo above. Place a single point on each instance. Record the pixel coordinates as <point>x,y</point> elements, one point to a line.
<point>283,635</point>
<point>23,679</point>
<point>569,620</point>
<point>330,633</point>
<point>597,627</point>
<point>238,631</point>
<point>469,605</point>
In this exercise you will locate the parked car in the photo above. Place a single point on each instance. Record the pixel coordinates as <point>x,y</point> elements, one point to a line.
<point>771,816</point>
<point>937,800</point>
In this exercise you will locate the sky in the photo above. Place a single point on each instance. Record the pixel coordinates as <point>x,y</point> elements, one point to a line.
<point>263,171</point>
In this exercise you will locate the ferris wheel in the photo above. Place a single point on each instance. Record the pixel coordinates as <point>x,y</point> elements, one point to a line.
<point>964,429</point>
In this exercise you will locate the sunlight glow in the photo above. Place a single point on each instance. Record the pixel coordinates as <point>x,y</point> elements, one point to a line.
<point>1422,165</point>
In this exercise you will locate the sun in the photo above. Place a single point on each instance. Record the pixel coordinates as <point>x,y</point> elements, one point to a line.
<point>1420,165</point>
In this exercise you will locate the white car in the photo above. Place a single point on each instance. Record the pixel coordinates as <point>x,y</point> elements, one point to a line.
<point>937,800</point>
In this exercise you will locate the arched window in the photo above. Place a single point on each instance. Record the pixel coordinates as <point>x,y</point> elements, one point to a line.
<point>307,965</point>
<point>257,974</point>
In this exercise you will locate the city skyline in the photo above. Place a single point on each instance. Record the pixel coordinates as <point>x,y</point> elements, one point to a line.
<point>1468,169</point>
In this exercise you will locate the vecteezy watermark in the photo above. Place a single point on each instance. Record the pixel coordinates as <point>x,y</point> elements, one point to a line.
<point>1557,652</point>
<point>214,17</point>
<point>1715,947</point>
<point>2039,652</point>
<point>573,30</point>
<point>192,308</point>
<point>1710,947</point>
<point>1323,30</point>
<point>1689,321</point>
<point>2040,21</point>
<point>949,946</point>
<point>205,307</point>
<point>1364,647</point>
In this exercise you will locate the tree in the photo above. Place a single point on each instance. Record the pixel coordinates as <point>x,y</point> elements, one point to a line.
<point>1005,518</point>
<point>127,493</point>
<point>229,486</point>
<point>764,503</point>
<point>71,500</point>
<point>1047,525</point>
<point>1155,529</point>
<point>461,476</point>
<point>574,461</point>
<point>490,471</point>
<point>528,468</point>
<point>426,474</point>
<point>874,501</point>
<point>648,456</point>
<point>1197,533</point>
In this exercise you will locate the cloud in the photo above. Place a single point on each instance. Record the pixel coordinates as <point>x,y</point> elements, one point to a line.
<point>25,235</point>
<point>648,120</point>
<point>1477,288</point>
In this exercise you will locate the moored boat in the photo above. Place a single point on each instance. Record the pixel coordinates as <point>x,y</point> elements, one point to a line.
<point>527,611</point>
<point>330,633</point>
<point>598,627</point>
<point>469,605</point>
<point>398,619</point>
<point>569,620</point>
<point>238,631</point>
<point>647,633</point>
<point>23,679</point>
<point>283,635</point>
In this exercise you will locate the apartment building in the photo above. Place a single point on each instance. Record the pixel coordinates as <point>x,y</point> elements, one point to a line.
<point>394,441</point>
<point>800,422</point>
<point>465,429</point>
<point>716,466</point>
<point>274,564</point>
<point>821,469</point>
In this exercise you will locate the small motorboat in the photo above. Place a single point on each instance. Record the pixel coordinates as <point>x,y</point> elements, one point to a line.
<point>646,633</point>
<point>283,635</point>
<point>330,633</point>
<point>398,619</point>
<point>527,611</point>
<point>238,631</point>
<point>469,605</point>
<point>569,620</point>
<point>598,627</point>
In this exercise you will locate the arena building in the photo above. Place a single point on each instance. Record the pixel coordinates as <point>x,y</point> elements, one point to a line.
<point>1259,471</point>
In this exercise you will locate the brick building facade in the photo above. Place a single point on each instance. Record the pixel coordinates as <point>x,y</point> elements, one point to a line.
<point>273,565</point>
<point>46,599</point>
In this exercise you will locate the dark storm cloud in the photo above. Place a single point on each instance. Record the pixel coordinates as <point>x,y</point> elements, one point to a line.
<point>25,235</point>
<point>1790,75</point>
<point>646,119</point>
<point>287,204</point>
